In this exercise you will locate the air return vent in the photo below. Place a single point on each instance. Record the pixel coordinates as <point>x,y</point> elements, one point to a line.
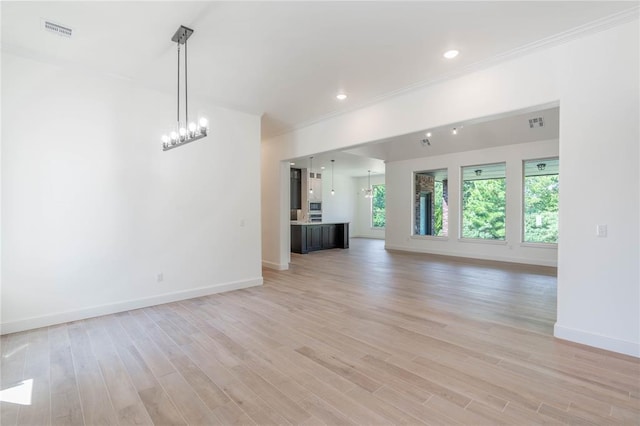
<point>536,122</point>
<point>56,28</point>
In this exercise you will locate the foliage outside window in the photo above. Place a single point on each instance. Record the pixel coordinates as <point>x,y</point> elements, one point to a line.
<point>541,193</point>
<point>378,219</point>
<point>484,202</point>
<point>431,203</point>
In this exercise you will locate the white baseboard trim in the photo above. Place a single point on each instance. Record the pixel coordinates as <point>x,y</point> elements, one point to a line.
<point>539,262</point>
<point>597,340</point>
<point>276,266</point>
<point>371,237</point>
<point>112,308</point>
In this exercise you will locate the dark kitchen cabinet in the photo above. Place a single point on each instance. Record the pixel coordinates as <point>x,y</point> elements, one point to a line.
<point>296,189</point>
<point>328,236</point>
<point>312,237</point>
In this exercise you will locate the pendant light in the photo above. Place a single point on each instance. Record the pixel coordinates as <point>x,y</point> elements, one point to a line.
<point>184,131</point>
<point>310,175</point>
<point>368,191</point>
<point>332,191</point>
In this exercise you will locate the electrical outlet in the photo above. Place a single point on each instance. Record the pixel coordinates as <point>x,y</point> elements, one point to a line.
<point>160,277</point>
<point>601,231</point>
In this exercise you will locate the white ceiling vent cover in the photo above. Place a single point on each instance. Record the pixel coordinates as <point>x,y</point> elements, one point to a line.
<point>56,28</point>
<point>536,122</point>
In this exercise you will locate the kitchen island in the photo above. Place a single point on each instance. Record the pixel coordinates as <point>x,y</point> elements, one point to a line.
<point>312,236</point>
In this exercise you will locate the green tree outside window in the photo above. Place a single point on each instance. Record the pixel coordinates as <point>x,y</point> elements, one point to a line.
<point>484,209</point>
<point>378,219</point>
<point>541,195</point>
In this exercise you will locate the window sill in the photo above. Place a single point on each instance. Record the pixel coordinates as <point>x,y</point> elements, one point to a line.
<point>481,241</point>
<point>430,237</point>
<point>553,246</point>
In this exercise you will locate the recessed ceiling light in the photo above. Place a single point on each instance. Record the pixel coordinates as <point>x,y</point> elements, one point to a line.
<point>341,96</point>
<point>322,168</point>
<point>450,54</point>
<point>428,134</point>
<point>292,163</point>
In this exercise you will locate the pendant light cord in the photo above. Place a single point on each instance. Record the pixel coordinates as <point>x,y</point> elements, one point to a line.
<point>186,91</point>
<point>178,109</point>
<point>332,162</point>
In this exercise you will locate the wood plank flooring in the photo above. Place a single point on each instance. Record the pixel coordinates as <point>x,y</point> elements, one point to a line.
<point>357,336</point>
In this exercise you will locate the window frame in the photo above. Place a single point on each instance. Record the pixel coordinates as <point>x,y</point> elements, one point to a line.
<point>413,234</point>
<point>461,237</point>
<point>523,242</point>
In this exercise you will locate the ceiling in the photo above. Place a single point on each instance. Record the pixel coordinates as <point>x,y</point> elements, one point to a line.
<point>346,164</point>
<point>507,129</point>
<point>288,60</point>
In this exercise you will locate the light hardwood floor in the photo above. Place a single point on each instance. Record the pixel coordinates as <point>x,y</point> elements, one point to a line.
<point>357,336</point>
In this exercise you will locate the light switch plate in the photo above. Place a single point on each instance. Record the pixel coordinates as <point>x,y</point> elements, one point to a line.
<point>601,231</point>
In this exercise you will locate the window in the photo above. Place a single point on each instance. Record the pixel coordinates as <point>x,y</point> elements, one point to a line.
<point>378,219</point>
<point>431,203</point>
<point>484,202</point>
<point>541,190</point>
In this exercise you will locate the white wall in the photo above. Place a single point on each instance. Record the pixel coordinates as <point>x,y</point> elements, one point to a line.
<point>340,207</point>
<point>595,80</point>
<point>362,222</point>
<point>93,210</point>
<point>400,199</point>
<point>599,278</point>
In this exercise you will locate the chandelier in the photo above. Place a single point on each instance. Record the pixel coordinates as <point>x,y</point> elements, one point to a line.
<point>184,131</point>
<point>368,191</point>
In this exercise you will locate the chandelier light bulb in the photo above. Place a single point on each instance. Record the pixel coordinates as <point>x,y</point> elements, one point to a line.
<point>192,127</point>
<point>333,192</point>
<point>204,123</point>
<point>174,136</point>
<point>310,190</point>
<point>165,139</point>
<point>454,131</point>
<point>183,131</point>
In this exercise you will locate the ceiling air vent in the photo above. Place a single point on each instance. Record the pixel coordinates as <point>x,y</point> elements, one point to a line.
<point>536,122</point>
<point>56,28</point>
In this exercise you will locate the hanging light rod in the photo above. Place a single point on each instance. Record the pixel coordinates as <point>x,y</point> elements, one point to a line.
<point>368,191</point>
<point>186,131</point>
<point>332,191</point>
